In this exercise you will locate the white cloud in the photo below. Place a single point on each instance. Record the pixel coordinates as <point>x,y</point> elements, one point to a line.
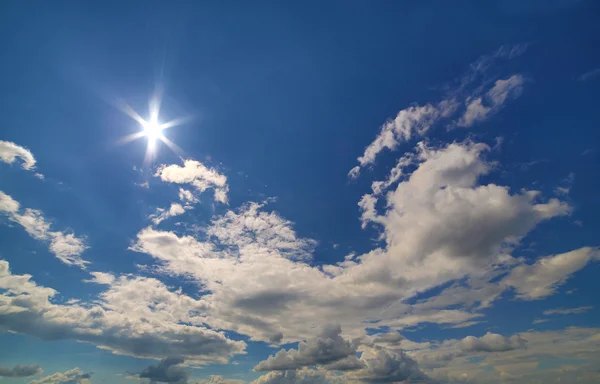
<point>329,347</point>
<point>135,316</point>
<point>101,278</point>
<point>492,342</point>
<point>541,279</point>
<point>187,196</point>
<point>73,376</point>
<point>567,311</point>
<point>415,121</point>
<point>175,209</point>
<point>198,175</point>
<point>65,246</point>
<point>10,151</point>
<point>480,108</point>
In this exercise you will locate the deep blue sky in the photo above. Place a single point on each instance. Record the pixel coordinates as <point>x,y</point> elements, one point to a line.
<point>284,97</point>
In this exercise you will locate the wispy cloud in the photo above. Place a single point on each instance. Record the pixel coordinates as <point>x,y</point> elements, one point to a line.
<point>64,245</point>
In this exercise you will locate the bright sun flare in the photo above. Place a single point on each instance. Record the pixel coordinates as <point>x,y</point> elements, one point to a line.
<point>151,128</point>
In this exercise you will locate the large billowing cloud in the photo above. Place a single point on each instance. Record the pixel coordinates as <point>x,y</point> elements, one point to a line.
<point>10,152</point>
<point>135,316</point>
<point>20,370</point>
<point>64,245</point>
<point>439,225</point>
<point>73,376</point>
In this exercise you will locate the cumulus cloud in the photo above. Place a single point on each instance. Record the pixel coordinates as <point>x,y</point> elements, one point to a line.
<point>440,224</point>
<point>135,316</point>
<point>541,279</point>
<point>492,342</point>
<point>73,376</point>
<point>196,174</point>
<point>10,152</point>
<point>168,370</point>
<point>64,245</point>
<point>20,370</point>
<point>329,347</point>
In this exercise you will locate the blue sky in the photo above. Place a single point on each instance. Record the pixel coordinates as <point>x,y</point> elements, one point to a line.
<point>346,192</point>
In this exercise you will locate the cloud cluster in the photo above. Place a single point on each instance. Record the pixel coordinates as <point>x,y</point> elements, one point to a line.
<point>20,370</point>
<point>196,174</point>
<point>64,245</point>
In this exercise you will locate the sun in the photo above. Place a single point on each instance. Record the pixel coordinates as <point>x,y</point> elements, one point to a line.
<point>151,128</point>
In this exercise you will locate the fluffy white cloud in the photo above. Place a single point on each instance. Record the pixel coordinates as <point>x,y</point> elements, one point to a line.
<point>135,316</point>
<point>9,152</point>
<point>198,175</point>
<point>480,108</point>
<point>73,376</point>
<point>329,347</point>
<point>65,246</point>
<point>20,370</point>
<point>541,279</point>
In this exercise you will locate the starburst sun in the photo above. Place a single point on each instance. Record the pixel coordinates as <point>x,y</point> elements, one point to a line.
<point>152,129</point>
